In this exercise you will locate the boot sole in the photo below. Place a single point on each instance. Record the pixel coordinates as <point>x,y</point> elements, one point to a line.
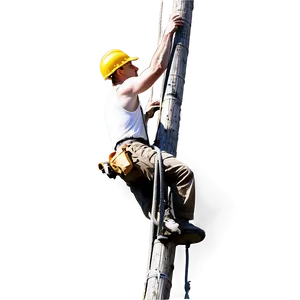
<point>188,237</point>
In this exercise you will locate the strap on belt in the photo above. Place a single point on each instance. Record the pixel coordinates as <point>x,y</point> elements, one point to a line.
<point>129,141</point>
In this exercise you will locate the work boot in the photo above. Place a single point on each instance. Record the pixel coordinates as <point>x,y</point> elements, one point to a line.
<point>171,225</point>
<point>190,234</point>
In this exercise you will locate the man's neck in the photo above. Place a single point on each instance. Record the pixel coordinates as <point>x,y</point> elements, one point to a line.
<point>118,81</point>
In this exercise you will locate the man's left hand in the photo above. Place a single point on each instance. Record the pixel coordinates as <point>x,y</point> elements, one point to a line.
<point>151,108</point>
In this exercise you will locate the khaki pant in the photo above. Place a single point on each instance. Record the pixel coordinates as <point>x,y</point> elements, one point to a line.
<point>177,175</point>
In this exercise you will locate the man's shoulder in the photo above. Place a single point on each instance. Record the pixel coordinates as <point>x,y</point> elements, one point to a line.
<point>113,92</point>
<point>126,88</point>
<point>112,96</point>
<point>125,97</point>
<point>114,88</point>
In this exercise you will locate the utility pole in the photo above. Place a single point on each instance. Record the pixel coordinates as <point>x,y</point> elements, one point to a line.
<point>163,254</point>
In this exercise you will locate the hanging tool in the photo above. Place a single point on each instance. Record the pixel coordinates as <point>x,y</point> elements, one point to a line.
<point>164,82</point>
<point>105,168</point>
<point>159,229</point>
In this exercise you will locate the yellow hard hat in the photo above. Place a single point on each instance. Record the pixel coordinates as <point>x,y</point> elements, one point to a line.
<point>113,60</point>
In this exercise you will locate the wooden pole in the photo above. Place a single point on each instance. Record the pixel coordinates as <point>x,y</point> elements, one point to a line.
<point>159,280</point>
<point>168,129</point>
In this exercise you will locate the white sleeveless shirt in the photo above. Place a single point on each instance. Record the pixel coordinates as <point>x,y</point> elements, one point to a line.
<point>122,123</point>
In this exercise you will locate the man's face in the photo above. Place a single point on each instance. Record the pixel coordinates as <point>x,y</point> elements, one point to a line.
<point>130,70</point>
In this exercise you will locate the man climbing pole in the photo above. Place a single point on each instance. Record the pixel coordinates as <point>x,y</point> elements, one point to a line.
<point>126,127</point>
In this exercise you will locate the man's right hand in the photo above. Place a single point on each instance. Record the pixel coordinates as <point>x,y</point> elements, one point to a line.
<point>133,86</point>
<point>174,22</point>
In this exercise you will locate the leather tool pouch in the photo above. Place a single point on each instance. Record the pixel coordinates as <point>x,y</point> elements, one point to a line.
<point>120,161</point>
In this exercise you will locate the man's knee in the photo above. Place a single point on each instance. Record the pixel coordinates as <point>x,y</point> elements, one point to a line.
<point>187,169</point>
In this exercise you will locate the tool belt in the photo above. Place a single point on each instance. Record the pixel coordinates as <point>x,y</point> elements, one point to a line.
<point>119,163</point>
<point>129,141</point>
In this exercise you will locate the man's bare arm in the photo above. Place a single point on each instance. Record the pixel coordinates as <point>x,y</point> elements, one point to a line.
<point>159,62</point>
